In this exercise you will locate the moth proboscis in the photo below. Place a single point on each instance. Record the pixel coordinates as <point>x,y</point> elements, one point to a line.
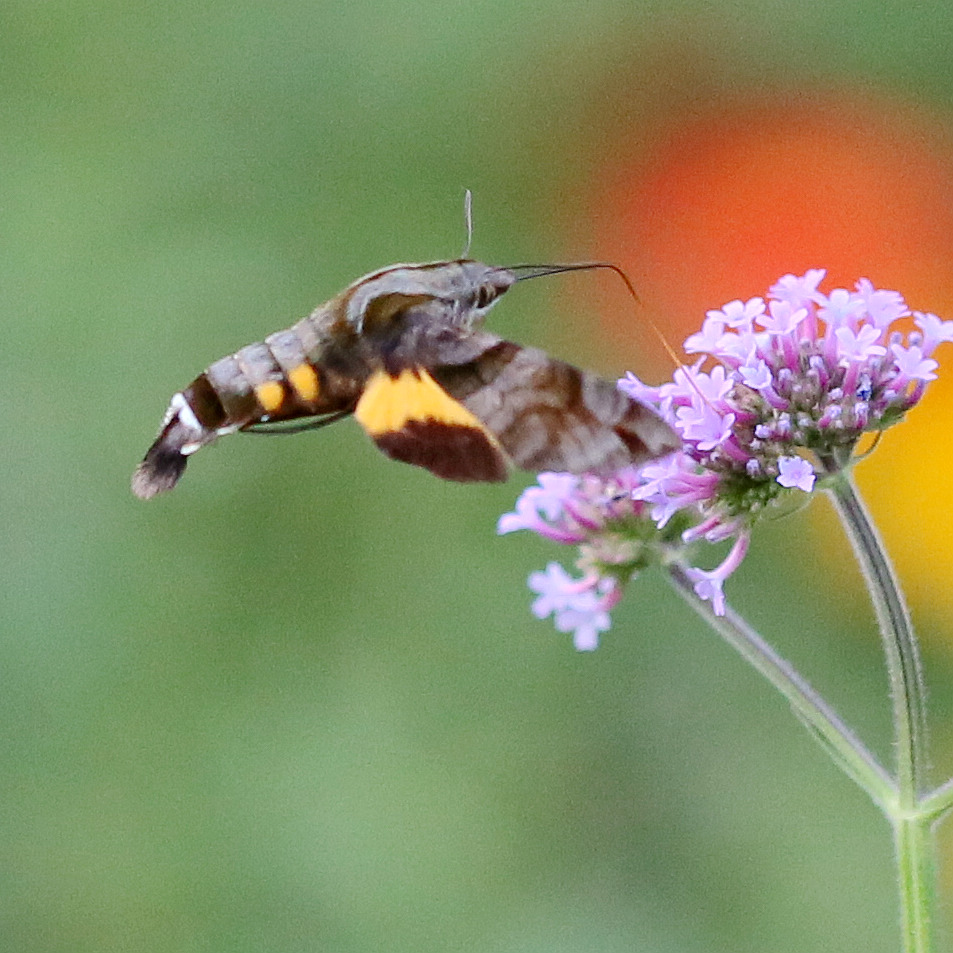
<point>403,350</point>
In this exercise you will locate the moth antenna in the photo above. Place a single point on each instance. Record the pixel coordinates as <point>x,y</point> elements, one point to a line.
<point>468,221</point>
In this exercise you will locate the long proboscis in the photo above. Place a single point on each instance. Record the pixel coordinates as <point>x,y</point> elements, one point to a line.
<point>539,271</point>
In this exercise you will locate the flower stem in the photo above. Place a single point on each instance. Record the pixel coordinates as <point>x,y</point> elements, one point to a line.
<point>847,749</point>
<point>912,818</point>
<point>902,653</point>
<point>916,871</point>
<point>939,802</point>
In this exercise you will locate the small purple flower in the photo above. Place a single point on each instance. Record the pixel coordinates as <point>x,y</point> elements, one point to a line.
<point>673,484</point>
<point>912,365</point>
<point>782,318</point>
<point>934,330</point>
<point>860,345</point>
<point>740,315</point>
<point>711,333</point>
<point>796,471</point>
<point>882,307</point>
<point>709,587</point>
<point>709,584</point>
<point>631,386</point>
<point>799,292</point>
<point>580,606</point>
<point>541,509</point>
<point>573,509</point>
<point>703,425</point>
<point>757,376</point>
<point>840,308</point>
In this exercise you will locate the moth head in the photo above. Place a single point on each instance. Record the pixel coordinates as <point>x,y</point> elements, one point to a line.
<point>455,293</point>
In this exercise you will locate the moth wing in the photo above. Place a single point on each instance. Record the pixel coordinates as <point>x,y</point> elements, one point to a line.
<point>549,415</point>
<point>413,419</point>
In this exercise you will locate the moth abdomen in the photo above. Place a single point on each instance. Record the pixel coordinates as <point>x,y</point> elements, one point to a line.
<point>266,381</point>
<point>181,434</point>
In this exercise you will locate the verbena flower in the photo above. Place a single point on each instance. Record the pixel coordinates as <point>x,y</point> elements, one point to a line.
<point>779,384</point>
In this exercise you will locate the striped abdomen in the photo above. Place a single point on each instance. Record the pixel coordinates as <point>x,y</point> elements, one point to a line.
<point>276,379</point>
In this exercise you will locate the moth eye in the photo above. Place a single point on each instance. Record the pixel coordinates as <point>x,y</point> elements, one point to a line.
<point>485,296</point>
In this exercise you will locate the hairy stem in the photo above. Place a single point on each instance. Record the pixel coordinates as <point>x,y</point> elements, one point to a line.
<point>904,668</point>
<point>912,818</point>
<point>846,748</point>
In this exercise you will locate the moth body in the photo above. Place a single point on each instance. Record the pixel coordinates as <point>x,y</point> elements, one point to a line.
<point>402,350</point>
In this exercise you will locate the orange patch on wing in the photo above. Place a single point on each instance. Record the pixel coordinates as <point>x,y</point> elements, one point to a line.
<point>270,394</point>
<point>413,419</point>
<point>388,404</point>
<point>304,380</point>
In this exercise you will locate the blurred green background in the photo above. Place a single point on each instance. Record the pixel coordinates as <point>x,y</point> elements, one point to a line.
<point>301,704</point>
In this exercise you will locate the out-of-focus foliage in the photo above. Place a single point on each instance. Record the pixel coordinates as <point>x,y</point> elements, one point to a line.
<point>300,704</point>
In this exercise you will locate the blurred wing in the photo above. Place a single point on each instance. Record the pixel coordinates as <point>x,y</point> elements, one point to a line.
<point>548,415</point>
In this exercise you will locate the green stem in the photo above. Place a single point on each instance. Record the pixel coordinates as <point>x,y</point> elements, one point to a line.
<point>902,653</point>
<point>847,749</point>
<point>916,869</point>
<point>938,802</point>
<point>911,818</point>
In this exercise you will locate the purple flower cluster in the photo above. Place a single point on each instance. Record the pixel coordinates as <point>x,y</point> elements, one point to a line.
<point>798,378</point>
<point>615,535</point>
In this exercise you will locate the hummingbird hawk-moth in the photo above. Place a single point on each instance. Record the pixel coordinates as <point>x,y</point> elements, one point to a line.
<point>403,351</point>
